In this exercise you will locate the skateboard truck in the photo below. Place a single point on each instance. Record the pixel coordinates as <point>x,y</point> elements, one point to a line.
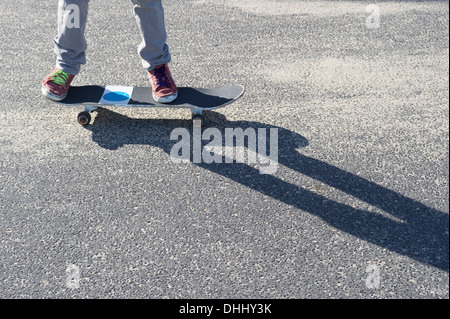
<point>198,118</point>
<point>84,118</point>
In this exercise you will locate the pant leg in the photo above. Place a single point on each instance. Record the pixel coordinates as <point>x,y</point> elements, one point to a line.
<point>150,18</point>
<point>70,43</point>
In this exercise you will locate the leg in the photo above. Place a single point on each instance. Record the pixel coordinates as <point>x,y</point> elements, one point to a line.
<point>70,43</point>
<point>153,50</point>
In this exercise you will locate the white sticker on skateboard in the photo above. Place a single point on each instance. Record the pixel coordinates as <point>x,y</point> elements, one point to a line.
<point>116,95</point>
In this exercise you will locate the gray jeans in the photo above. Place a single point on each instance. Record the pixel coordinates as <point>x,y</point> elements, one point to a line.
<point>70,43</point>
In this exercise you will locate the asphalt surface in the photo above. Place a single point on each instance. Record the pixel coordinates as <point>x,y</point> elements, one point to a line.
<point>358,207</point>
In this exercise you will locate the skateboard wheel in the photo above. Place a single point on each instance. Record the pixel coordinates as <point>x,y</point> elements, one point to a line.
<point>84,118</point>
<point>199,117</point>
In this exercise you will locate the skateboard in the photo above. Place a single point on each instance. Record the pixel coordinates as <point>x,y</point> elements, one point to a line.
<point>197,100</point>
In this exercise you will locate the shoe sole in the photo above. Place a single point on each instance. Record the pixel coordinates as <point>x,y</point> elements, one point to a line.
<point>165,99</point>
<point>52,96</point>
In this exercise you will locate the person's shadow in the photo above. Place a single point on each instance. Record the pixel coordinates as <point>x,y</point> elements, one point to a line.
<point>416,230</point>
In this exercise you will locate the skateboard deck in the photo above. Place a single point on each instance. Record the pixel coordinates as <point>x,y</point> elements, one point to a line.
<point>195,99</point>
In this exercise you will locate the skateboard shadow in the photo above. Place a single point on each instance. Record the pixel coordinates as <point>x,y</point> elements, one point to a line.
<point>83,94</point>
<point>415,230</point>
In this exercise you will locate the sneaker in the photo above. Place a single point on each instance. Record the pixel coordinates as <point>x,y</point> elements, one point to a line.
<point>56,85</point>
<point>163,86</point>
